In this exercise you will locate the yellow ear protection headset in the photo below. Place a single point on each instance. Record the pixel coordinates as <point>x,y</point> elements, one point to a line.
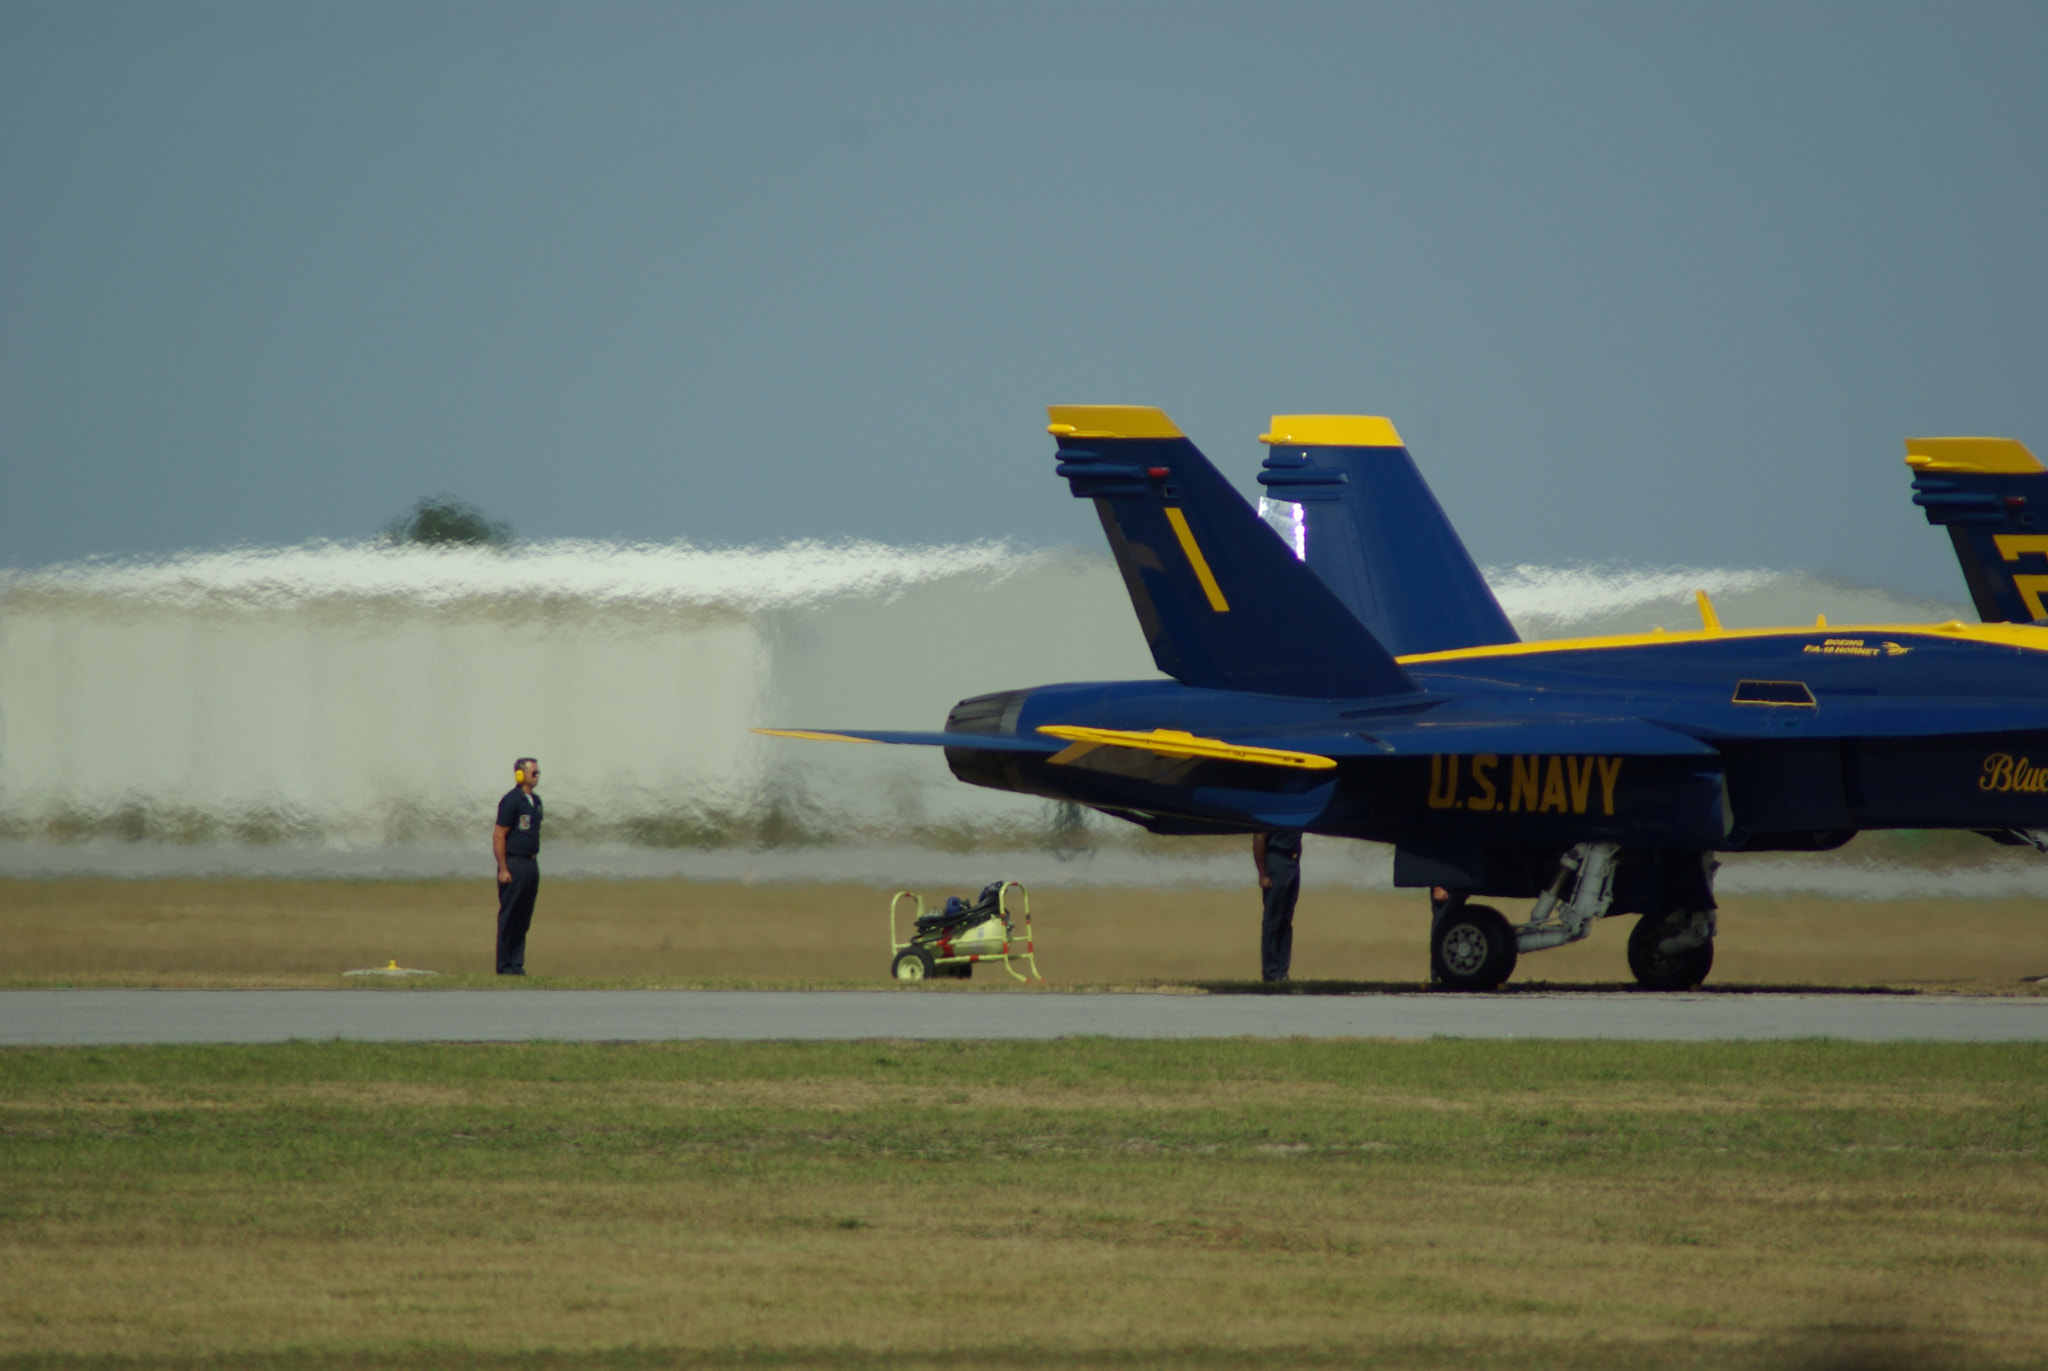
<point>519,770</point>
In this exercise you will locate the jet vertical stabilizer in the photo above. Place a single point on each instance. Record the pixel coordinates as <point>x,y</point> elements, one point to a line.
<point>1986,491</point>
<point>1369,526</point>
<point>1223,603</point>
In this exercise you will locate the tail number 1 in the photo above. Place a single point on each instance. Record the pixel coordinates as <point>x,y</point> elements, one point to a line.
<point>2012,547</point>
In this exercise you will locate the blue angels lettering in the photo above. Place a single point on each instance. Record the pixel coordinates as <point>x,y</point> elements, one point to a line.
<point>1356,678</point>
<point>2005,772</point>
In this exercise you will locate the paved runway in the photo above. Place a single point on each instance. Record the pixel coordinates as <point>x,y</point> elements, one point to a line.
<point>84,1017</point>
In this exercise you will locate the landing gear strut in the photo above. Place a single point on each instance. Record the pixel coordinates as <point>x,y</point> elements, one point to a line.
<point>1472,947</point>
<point>1588,872</point>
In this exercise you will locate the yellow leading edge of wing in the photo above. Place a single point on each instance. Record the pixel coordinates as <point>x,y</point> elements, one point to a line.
<point>1110,421</point>
<point>2027,637</point>
<point>1992,456</point>
<point>807,733</point>
<point>1171,743</point>
<point>1332,430</point>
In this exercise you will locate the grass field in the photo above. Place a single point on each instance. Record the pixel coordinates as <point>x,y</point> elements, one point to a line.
<point>670,932</point>
<point>1072,1204</point>
<point>1079,1203</point>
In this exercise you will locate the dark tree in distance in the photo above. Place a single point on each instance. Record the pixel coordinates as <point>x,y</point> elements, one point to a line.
<point>444,521</point>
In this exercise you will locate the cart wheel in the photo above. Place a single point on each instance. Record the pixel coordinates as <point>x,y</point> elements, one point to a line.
<point>912,964</point>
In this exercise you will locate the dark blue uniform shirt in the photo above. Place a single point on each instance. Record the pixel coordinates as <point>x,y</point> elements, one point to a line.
<point>519,813</point>
<point>1285,841</point>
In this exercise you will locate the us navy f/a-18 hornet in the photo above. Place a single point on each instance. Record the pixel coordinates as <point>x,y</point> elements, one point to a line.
<point>1354,676</point>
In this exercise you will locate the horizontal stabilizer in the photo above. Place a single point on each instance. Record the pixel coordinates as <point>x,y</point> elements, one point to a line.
<point>1223,604</point>
<point>986,742</point>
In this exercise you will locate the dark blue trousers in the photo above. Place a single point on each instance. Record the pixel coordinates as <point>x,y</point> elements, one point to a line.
<point>515,912</point>
<point>1276,938</point>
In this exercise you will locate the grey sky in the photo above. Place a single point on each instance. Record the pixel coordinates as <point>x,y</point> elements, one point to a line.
<point>1641,282</point>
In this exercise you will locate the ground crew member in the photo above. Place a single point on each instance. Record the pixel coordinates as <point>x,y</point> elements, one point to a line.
<point>1278,857</point>
<point>516,844</point>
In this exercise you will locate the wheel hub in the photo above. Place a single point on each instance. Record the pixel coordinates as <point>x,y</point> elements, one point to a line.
<point>1464,950</point>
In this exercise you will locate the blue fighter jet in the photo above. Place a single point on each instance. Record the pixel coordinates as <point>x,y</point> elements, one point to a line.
<point>1354,676</point>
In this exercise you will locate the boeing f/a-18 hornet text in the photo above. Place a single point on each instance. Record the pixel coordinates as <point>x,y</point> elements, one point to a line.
<point>1354,676</point>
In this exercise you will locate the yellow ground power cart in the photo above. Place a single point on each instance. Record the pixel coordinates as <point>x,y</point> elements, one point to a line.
<point>950,940</point>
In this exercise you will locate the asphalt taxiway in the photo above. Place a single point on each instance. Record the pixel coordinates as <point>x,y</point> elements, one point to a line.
<point>92,1017</point>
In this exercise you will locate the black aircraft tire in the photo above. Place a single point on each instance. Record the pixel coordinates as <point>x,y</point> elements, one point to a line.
<point>912,964</point>
<point>959,971</point>
<point>1656,970</point>
<point>1472,949</point>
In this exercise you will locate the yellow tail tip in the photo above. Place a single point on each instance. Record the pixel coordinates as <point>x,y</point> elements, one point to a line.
<point>1110,421</point>
<point>1331,430</point>
<point>1995,456</point>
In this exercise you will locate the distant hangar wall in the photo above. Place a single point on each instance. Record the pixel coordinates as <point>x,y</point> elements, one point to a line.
<point>370,695</point>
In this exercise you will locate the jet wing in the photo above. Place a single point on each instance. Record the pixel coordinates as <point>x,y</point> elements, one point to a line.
<point>1614,736</point>
<point>1309,750</point>
<point>987,742</point>
<point>1069,743</point>
<point>1168,742</point>
<point>1320,750</point>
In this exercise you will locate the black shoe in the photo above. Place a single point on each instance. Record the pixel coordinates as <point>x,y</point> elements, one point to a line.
<point>514,972</point>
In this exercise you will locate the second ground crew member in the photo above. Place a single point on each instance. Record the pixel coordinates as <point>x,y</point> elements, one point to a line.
<point>1278,855</point>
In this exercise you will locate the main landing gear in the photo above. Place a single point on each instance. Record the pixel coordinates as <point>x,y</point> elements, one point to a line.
<point>1672,951</point>
<point>1473,947</point>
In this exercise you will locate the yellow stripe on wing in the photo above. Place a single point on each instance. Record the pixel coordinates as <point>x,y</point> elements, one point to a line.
<point>2027,637</point>
<point>1169,742</point>
<point>811,734</point>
